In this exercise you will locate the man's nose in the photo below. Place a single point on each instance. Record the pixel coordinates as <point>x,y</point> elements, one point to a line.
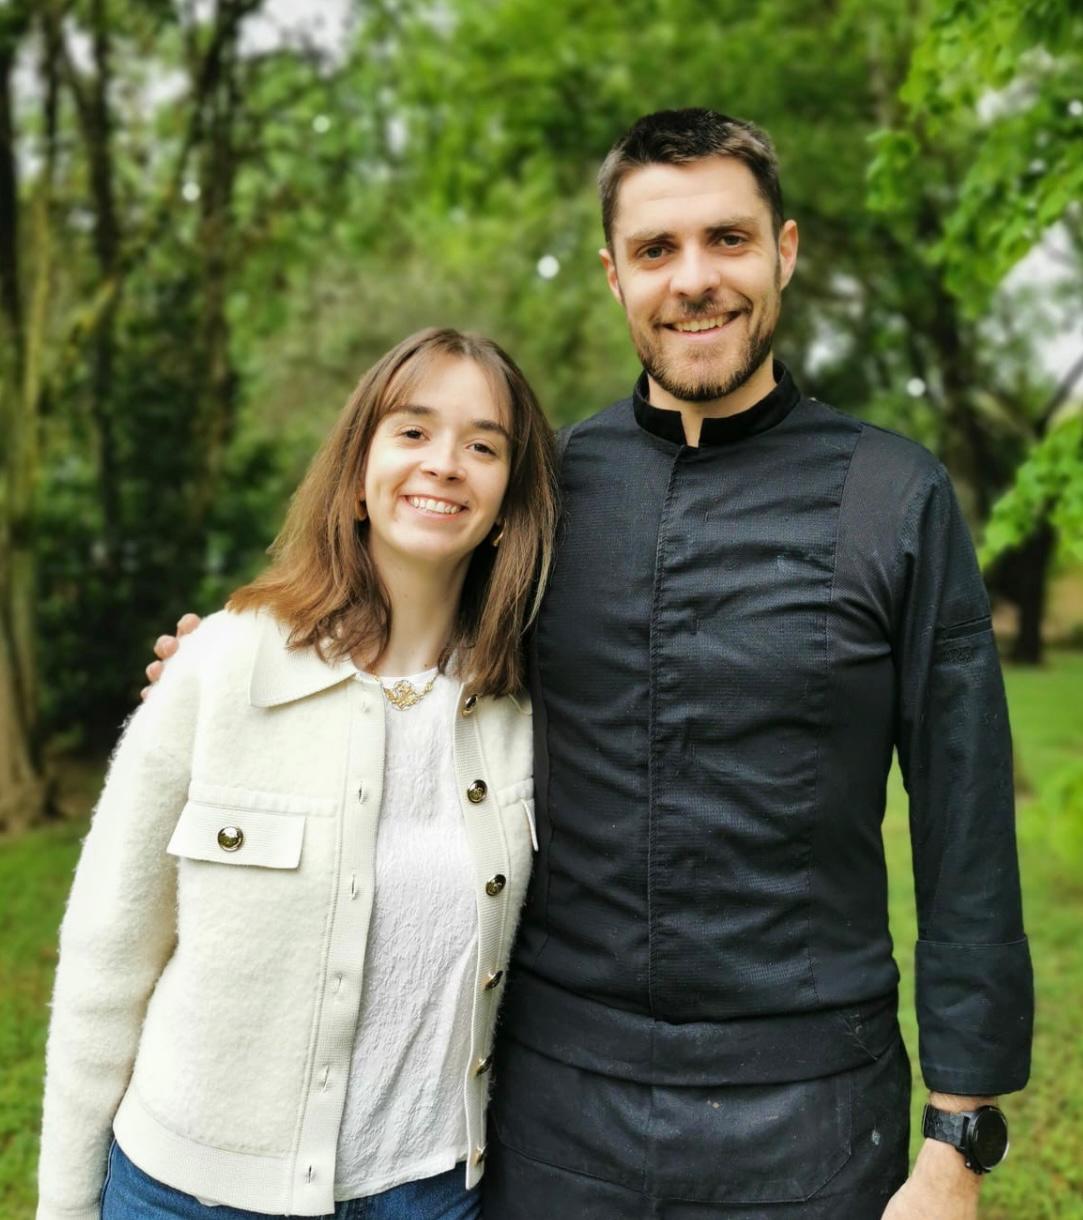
<point>694,273</point>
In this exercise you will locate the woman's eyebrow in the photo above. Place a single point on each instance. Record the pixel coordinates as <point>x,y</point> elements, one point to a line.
<point>416,408</point>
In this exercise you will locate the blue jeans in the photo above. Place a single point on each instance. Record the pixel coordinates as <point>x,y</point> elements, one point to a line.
<point>131,1194</point>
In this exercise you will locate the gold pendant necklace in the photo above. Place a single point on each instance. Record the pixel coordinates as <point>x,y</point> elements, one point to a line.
<point>405,694</point>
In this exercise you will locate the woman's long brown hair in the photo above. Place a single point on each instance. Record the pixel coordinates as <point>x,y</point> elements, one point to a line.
<point>321,581</point>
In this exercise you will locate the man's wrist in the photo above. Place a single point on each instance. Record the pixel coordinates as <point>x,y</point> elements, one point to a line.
<point>955,1103</point>
<point>943,1166</point>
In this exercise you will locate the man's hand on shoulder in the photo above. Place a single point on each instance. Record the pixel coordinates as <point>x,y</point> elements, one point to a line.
<point>165,646</point>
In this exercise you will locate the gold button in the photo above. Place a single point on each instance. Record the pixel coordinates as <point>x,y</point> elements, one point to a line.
<point>477,792</point>
<point>495,884</point>
<point>494,980</point>
<point>479,1156</point>
<point>483,1065</point>
<point>469,703</point>
<point>230,838</point>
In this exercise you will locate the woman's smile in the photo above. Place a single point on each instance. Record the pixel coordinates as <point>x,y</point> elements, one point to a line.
<point>432,507</point>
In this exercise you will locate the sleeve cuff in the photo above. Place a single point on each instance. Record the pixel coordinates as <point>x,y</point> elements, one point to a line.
<point>975,1007</point>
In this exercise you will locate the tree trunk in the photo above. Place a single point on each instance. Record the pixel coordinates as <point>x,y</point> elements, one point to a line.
<point>23,781</point>
<point>218,170</point>
<point>1022,576</point>
<point>96,124</point>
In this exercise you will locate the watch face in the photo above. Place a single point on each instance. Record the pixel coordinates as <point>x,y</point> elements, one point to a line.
<point>988,1137</point>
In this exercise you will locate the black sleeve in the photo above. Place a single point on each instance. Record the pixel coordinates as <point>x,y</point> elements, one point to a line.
<point>975,997</point>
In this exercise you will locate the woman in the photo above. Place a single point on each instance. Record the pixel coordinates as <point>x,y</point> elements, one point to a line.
<point>269,1006</point>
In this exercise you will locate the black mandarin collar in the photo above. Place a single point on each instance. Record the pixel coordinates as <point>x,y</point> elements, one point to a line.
<point>721,430</point>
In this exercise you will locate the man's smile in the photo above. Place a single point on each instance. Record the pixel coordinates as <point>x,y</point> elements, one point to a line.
<point>706,327</point>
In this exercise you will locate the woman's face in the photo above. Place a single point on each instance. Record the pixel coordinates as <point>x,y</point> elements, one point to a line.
<point>437,470</point>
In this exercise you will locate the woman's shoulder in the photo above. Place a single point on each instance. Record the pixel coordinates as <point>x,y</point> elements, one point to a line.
<point>219,651</point>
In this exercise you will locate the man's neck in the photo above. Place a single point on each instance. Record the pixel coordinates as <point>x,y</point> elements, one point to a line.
<point>692,414</point>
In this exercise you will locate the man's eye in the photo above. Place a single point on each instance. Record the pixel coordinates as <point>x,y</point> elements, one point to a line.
<point>651,253</point>
<point>732,240</point>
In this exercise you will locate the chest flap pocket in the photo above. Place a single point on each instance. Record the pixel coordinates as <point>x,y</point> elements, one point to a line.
<point>234,835</point>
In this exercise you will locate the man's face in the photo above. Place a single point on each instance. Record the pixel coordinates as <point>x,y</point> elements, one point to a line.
<point>697,268</point>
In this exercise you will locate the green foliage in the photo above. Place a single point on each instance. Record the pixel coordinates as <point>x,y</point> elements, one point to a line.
<point>1001,80</point>
<point>1049,484</point>
<point>101,608</point>
<point>420,173</point>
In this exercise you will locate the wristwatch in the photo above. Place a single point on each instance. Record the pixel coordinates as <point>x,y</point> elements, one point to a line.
<point>980,1135</point>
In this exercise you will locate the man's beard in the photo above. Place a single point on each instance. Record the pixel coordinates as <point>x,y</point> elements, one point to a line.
<point>756,347</point>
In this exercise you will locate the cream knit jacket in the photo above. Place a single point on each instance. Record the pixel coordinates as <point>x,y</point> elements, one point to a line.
<point>211,955</point>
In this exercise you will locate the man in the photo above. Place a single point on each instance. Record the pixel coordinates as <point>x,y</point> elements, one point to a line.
<point>756,598</point>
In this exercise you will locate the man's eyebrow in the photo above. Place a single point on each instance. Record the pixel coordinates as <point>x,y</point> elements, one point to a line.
<point>416,408</point>
<point>725,225</point>
<point>733,222</point>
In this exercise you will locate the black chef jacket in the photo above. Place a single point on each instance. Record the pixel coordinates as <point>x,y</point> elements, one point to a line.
<point>735,638</point>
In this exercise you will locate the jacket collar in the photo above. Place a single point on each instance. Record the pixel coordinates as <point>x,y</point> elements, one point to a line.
<point>722,430</point>
<point>280,675</point>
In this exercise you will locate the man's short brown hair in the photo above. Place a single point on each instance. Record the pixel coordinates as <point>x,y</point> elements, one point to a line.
<point>677,137</point>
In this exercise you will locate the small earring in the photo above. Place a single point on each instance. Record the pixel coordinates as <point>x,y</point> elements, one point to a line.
<point>500,534</point>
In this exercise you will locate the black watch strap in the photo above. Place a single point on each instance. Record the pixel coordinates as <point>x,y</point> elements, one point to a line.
<point>980,1135</point>
<point>944,1126</point>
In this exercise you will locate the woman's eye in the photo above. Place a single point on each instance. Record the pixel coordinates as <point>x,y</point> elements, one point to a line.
<point>413,434</point>
<point>482,447</point>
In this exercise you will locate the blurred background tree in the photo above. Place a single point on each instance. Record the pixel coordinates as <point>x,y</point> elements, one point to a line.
<point>214,215</point>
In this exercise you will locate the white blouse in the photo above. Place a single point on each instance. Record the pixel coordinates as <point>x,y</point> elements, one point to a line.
<point>404,1116</point>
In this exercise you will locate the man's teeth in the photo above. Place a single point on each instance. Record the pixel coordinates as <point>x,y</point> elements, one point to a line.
<point>703,323</point>
<point>435,506</point>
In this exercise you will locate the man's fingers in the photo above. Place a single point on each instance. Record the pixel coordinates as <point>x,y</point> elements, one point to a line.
<point>154,671</point>
<point>187,623</point>
<point>165,646</point>
<point>145,692</point>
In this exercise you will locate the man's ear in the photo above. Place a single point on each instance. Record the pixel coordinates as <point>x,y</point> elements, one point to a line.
<point>787,251</point>
<point>610,265</point>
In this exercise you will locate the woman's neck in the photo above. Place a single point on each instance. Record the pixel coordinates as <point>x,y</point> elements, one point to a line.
<point>424,606</point>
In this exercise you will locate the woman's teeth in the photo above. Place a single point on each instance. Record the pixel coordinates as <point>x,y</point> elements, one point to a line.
<point>434,506</point>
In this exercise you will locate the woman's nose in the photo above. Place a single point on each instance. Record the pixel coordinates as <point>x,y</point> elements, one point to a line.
<point>443,463</point>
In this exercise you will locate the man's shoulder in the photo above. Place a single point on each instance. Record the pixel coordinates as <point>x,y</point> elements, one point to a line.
<point>893,460</point>
<point>616,414</point>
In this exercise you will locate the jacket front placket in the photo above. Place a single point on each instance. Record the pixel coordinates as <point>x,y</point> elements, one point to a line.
<point>313,1176</point>
<point>671,759</point>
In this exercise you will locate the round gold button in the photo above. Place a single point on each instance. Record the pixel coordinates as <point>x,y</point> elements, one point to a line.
<point>469,703</point>
<point>494,980</point>
<point>481,1066</point>
<point>230,838</point>
<point>495,884</point>
<point>477,792</point>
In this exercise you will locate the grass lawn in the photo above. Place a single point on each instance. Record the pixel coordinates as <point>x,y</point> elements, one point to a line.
<point>1043,1177</point>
